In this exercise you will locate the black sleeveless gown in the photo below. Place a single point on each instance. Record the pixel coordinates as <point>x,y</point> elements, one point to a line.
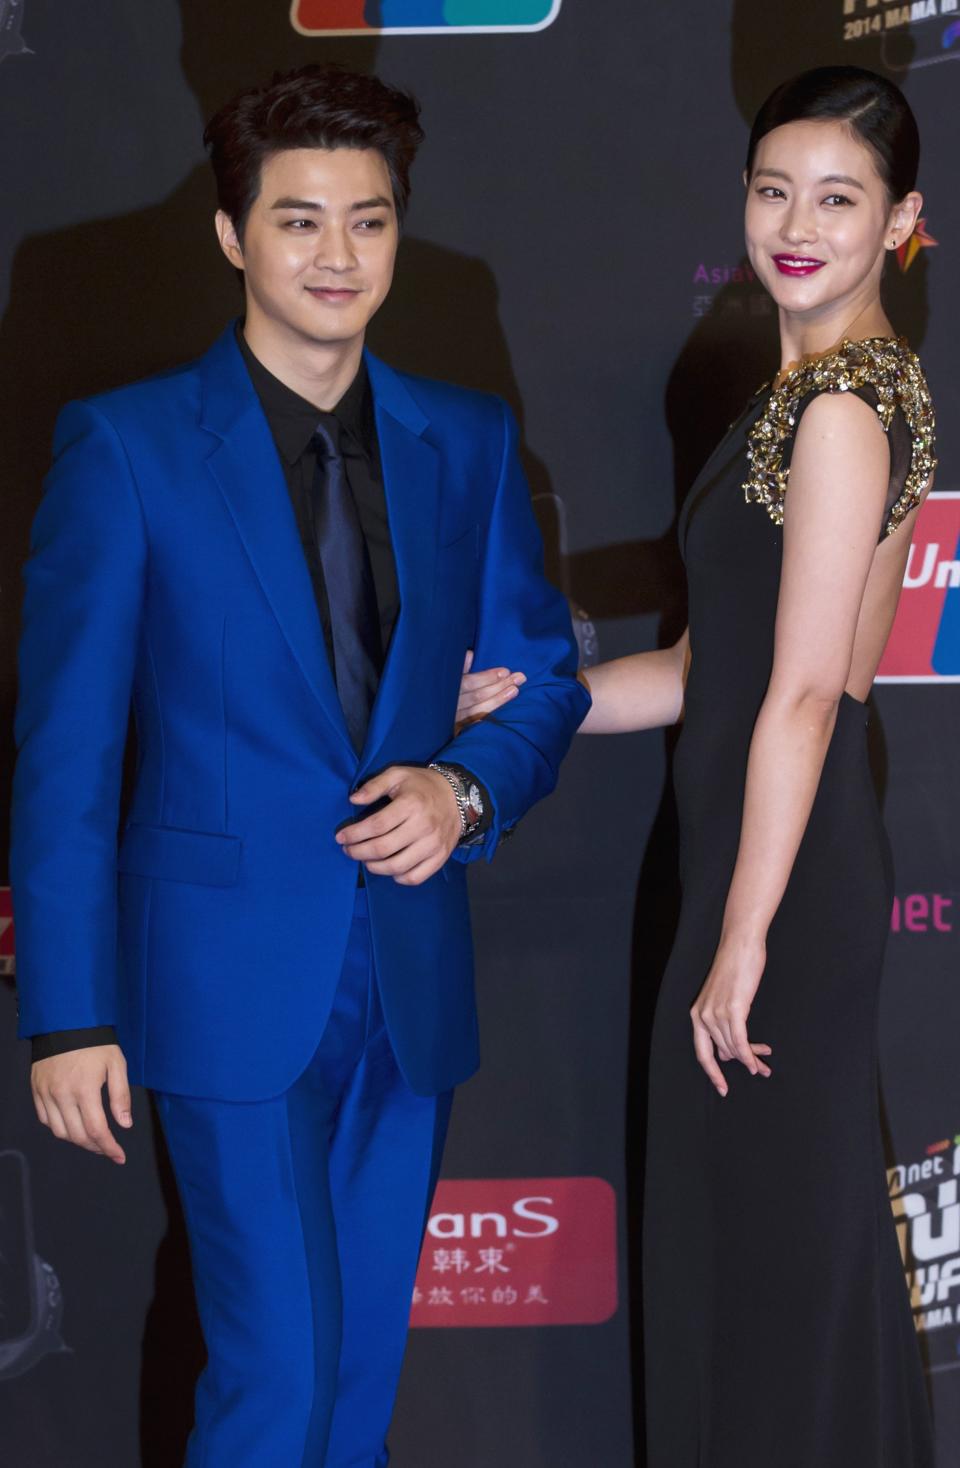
<point>778,1328</point>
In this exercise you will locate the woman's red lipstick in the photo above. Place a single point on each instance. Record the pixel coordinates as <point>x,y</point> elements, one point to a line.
<point>797,264</point>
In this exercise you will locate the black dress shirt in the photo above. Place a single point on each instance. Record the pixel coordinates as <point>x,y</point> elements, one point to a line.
<point>292,421</point>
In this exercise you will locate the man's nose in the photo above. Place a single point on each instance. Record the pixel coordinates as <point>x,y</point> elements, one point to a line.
<point>335,250</point>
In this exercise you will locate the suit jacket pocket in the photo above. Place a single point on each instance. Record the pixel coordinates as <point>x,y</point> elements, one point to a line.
<point>466,539</point>
<point>180,856</point>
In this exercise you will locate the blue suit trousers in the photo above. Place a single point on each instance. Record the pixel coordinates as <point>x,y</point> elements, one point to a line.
<point>305,1214</point>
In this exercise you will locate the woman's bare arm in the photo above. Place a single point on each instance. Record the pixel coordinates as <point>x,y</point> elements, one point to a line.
<point>642,691</point>
<point>832,522</point>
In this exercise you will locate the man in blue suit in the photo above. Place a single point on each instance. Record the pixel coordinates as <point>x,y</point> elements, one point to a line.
<point>280,555</point>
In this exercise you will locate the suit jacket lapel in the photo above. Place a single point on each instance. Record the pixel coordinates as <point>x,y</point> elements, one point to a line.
<point>245,466</point>
<point>411,475</point>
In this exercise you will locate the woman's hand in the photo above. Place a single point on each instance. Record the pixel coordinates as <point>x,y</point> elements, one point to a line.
<point>482,693</point>
<point>720,1013</point>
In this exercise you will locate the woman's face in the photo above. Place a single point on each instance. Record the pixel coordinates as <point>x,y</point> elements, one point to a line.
<point>818,220</point>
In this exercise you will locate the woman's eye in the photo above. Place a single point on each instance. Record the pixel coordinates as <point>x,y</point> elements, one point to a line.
<point>837,199</point>
<point>770,192</point>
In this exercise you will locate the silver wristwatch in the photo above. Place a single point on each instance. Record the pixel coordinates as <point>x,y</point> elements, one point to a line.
<point>468,796</point>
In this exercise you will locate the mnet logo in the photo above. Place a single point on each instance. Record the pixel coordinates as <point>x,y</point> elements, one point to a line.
<point>924,645</point>
<point>925,1198</point>
<point>420,17</point>
<point>512,1252</point>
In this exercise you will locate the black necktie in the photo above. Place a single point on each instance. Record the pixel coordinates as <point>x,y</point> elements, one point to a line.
<point>348,579</point>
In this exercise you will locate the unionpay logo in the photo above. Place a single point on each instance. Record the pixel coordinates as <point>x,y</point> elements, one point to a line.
<point>420,17</point>
<point>924,646</point>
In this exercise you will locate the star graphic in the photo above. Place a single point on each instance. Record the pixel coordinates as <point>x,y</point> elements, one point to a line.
<point>910,249</point>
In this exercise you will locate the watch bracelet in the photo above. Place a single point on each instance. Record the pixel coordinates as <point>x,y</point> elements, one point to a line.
<point>458,795</point>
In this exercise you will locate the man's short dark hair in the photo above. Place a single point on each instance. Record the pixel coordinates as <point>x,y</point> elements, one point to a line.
<point>311,107</point>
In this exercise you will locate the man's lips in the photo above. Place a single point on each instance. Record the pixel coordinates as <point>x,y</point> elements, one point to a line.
<point>332,293</point>
<point>797,264</point>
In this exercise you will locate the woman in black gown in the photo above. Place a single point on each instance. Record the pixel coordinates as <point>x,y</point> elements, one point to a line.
<point>778,1329</point>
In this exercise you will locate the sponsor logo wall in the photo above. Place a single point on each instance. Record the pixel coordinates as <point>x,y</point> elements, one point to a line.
<point>531,108</point>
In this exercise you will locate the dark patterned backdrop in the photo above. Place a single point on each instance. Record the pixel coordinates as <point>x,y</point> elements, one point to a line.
<point>575,244</point>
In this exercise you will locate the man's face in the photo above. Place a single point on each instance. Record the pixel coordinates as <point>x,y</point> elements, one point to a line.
<point>319,244</point>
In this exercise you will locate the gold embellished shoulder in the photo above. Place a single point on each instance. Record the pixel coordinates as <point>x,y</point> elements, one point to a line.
<point>884,363</point>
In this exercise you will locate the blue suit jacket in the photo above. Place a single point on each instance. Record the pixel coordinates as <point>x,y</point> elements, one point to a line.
<point>166,567</point>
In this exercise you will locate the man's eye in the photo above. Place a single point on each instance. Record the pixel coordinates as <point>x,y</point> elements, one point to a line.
<point>297,223</point>
<point>371,224</point>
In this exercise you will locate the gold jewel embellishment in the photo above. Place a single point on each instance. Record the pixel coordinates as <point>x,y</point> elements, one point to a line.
<point>883,363</point>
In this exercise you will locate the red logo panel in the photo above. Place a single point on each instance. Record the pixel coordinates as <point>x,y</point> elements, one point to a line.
<point>317,16</point>
<point>6,931</point>
<point>519,1251</point>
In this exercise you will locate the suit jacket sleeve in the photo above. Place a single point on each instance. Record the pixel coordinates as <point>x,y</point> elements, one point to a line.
<point>82,610</point>
<point>523,623</point>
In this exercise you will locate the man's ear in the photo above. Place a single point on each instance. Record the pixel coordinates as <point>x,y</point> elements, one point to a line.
<point>229,240</point>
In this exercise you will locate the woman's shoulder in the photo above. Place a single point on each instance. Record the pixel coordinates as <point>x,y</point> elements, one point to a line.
<point>885,363</point>
<point>882,371</point>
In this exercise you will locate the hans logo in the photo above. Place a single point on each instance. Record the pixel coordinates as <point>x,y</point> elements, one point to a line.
<point>518,1251</point>
<point>461,1225</point>
<point>420,17</point>
<point>924,646</point>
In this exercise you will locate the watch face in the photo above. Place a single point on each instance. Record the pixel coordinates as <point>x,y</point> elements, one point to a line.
<point>474,804</point>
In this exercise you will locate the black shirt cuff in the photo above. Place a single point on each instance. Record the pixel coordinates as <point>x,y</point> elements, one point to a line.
<point>58,1042</point>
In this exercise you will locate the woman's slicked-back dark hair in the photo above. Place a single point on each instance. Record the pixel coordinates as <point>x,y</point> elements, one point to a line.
<point>874,108</point>
<point>312,107</point>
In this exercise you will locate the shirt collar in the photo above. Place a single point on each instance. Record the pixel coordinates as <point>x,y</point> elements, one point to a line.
<point>293,420</point>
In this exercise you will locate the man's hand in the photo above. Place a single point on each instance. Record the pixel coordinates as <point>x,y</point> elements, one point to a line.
<point>67,1092</point>
<point>411,838</point>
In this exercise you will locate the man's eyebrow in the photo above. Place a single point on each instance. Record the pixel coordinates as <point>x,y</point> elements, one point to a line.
<point>288,203</point>
<point>379,201</point>
<point>842,178</point>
